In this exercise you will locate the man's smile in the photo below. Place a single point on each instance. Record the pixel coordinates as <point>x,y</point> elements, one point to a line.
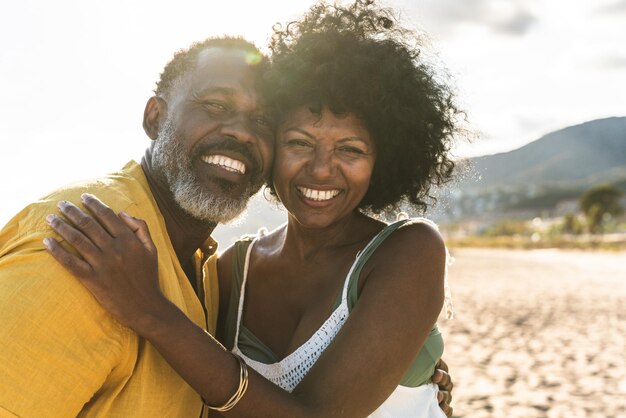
<point>227,163</point>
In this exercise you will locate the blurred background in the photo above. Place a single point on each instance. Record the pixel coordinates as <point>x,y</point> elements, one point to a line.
<point>535,220</point>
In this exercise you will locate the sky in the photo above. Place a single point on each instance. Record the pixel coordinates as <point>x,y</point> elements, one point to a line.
<point>75,74</point>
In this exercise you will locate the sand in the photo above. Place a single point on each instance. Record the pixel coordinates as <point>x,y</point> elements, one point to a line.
<point>537,334</point>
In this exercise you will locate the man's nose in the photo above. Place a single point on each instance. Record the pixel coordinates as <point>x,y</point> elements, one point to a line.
<point>240,128</point>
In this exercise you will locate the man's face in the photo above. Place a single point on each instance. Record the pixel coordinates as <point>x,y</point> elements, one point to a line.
<point>214,150</point>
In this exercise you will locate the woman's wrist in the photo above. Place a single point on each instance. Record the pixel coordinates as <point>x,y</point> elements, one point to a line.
<point>155,323</point>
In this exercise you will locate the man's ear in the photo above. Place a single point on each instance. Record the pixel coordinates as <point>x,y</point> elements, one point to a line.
<point>154,116</point>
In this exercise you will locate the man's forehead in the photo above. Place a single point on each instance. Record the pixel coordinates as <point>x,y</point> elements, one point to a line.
<point>250,58</point>
<point>224,65</point>
<point>228,71</point>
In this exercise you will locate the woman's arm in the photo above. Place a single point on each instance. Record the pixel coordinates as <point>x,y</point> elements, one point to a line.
<point>399,302</point>
<point>398,305</point>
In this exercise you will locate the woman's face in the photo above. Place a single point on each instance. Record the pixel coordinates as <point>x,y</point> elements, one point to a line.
<point>323,164</point>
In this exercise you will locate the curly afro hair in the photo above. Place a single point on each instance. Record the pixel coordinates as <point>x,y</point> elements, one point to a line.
<point>184,60</point>
<point>357,59</point>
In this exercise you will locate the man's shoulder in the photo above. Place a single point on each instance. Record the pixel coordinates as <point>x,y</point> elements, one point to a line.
<point>120,190</point>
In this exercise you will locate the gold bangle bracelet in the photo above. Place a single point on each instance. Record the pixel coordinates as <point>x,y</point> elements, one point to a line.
<point>241,390</point>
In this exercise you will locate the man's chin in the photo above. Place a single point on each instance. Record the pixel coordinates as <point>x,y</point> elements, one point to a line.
<point>223,205</point>
<point>213,211</point>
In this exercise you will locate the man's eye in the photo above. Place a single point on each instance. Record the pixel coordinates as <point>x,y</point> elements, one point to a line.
<point>298,143</point>
<point>216,107</point>
<point>263,122</point>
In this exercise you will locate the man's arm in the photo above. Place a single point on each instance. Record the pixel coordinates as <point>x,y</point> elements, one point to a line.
<point>57,345</point>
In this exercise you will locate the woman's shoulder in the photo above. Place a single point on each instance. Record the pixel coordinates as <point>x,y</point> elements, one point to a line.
<point>415,233</point>
<point>226,256</point>
<point>414,245</point>
<point>264,241</point>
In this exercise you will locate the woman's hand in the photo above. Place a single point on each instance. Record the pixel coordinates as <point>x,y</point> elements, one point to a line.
<point>119,260</point>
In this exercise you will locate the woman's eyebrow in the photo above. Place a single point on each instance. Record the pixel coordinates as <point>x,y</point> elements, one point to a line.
<point>342,140</point>
<point>354,138</point>
<point>299,130</point>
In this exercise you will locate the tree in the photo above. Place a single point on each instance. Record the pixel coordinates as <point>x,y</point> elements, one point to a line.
<point>599,204</point>
<point>571,224</point>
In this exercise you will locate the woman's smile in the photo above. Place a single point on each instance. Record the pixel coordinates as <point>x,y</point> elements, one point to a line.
<point>317,194</point>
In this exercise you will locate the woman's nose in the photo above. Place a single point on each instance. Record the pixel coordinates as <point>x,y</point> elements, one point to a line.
<point>322,164</point>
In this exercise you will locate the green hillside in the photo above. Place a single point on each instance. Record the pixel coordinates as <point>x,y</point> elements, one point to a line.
<point>581,155</point>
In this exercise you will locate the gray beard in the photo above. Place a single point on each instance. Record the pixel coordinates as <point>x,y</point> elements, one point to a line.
<point>174,165</point>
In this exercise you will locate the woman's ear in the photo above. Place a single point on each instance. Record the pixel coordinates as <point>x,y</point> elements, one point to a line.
<point>154,115</point>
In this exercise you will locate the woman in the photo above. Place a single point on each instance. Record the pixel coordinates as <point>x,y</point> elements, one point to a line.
<point>335,307</point>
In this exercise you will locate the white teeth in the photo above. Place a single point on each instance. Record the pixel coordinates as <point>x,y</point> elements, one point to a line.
<point>225,162</point>
<point>318,195</point>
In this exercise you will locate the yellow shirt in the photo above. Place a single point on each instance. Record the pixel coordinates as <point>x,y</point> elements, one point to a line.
<point>61,354</point>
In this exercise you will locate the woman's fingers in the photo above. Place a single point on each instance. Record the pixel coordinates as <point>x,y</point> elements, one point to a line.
<point>104,215</point>
<point>442,365</point>
<point>141,231</point>
<point>81,243</point>
<point>443,380</point>
<point>75,265</point>
<point>84,223</point>
<point>444,398</point>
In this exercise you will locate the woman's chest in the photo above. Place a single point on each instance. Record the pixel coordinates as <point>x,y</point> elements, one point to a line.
<point>286,304</point>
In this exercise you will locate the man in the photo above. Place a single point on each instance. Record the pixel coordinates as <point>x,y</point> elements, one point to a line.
<point>61,354</point>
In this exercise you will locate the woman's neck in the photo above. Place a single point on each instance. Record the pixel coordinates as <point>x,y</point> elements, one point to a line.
<point>306,243</point>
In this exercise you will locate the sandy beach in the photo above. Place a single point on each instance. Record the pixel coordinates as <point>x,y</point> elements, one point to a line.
<point>537,334</point>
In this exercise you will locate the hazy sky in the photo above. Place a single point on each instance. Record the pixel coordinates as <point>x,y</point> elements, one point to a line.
<point>75,74</point>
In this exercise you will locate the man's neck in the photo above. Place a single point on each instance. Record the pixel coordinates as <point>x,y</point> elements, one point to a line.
<point>186,233</point>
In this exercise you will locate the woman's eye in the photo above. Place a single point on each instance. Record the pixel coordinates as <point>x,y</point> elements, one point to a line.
<point>351,150</point>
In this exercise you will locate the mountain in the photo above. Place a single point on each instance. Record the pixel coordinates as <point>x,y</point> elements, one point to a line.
<point>581,155</point>
<point>546,176</point>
